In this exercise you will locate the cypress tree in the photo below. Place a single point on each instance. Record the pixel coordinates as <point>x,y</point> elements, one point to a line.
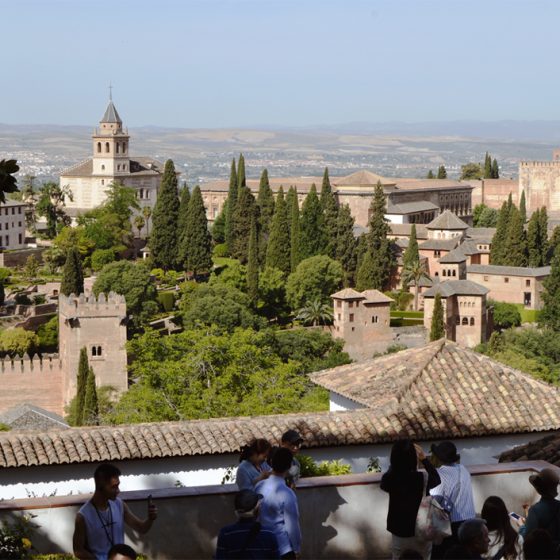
<point>253,265</point>
<point>164,239</point>
<point>295,231</point>
<point>523,206</point>
<point>279,244</point>
<point>245,211</point>
<point>2,293</point>
<point>442,172</point>
<point>487,166</point>
<point>241,179</point>
<point>219,225</point>
<point>230,209</point>
<point>313,239</point>
<point>497,252</point>
<point>515,247</point>
<point>378,261</point>
<point>553,244</point>
<point>72,274</point>
<point>430,175</point>
<point>437,327</point>
<point>184,199</point>
<point>81,381</point>
<point>346,250</point>
<point>91,406</point>
<point>543,230</point>
<point>265,204</point>
<point>550,313</point>
<point>330,215</point>
<point>533,240</point>
<point>195,251</point>
<point>411,254</point>
<point>495,169</point>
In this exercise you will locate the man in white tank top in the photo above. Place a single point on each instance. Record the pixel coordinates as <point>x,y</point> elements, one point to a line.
<point>100,521</point>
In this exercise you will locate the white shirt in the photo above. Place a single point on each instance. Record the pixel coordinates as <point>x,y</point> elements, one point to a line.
<point>456,488</point>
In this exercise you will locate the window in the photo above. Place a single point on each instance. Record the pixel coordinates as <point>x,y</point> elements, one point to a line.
<point>472,321</point>
<point>351,304</point>
<point>338,303</point>
<point>19,210</point>
<point>107,147</point>
<point>102,181</point>
<point>437,253</point>
<point>527,299</point>
<point>454,273</point>
<point>351,317</point>
<point>124,147</point>
<point>375,319</point>
<point>457,320</point>
<point>465,321</point>
<point>102,168</point>
<point>486,278</point>
<point>506,280</point>
<point>98,147</point>
<point>118,148</point>
<point>353,329</point>
<point>338,316</point>
<point>528,283</point>
<point>444,272</point>
<point>13,211</point>
<point>19,224</point>
<point>96,351</point>
<point>124,166</point>
<point>20,238</point>
<point>118,167</point>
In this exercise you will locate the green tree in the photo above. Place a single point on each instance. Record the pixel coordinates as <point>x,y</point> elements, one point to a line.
<point>437,328</point>
<point>471,171</point>
<point>315,312</point>
<point>497,252</point>
<point>414,272</point>
<point>506,315</point>
<point>326,189</point>
<point>164,238</point>
<point>253,265</point>
<point>346,250</point>
<point>241,179</point>
<point>411,254</point>
<point>550,313</point>
<point>8,182</point>
<point>272,294</point>
<point>147,213</point>
<point>442,172</point>
<point>314,278</point>
<point>515,247</point>
<point>543,229</point>
<point>132,280</point>
<point>495,169</point>
<point>51,204</point>
<point>184,199</point>
<point>81,382</point>
<point>245,212</point>
<point>523,206</point>
<point>265,204</point>
<point>31,268</point>
<point>378,261</point>
<point>487,166</point>
<point>2,293</point>
<point>18,342</point>
<point>313,236</point>
<point>430,175</point>
<point>72,274</point>
<point>195,251</point>
<point>48,335</point>
<point>483,216</point>
<point>295,229</point>
<point>330,215</point>
<point>230,208</point>
<point>139,223</point>
<point>278,249</point>
<point>553,244</point>
<point>219,226</point>
<point>534,247</point>
<point>91,407</point>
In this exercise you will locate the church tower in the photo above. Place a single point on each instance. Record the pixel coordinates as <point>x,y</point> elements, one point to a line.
<point>110,145</point>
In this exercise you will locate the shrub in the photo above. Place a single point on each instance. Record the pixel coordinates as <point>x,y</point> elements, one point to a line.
<point>166,300</point>
<point>325,468</point>
<point>220,251</point>
<point>39,299</point>
<point>506,315</point>
<point>101,257</point>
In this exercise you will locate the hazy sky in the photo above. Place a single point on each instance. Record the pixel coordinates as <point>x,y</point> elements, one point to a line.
<point>218,63</point>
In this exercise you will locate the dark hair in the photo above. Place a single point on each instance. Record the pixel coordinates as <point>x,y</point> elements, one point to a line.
<point>123,549</point>
<point>470,530</point>
<point>495,513</point>
<point>105,472</point>
<point>255,447</point>
<point>538,545</point>
<point>282,460</point>
<point>403,456</point>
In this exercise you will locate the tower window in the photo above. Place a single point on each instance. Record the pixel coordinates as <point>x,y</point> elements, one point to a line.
<point>98,147</point>
<point>351,317</point>
<point>107,147</point>
<point>118,147</point>
<point>102,168</point>
<point>465,321</point>
<point>472,321</point>
<point>124,147</point>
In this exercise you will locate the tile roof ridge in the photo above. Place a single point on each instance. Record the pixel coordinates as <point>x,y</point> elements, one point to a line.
<point>75,166</point>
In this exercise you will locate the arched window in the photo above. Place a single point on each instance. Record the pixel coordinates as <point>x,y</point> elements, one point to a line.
<point>99,351</point>
<point>94,351</point>
<point>102,168</point>
<point>98,147</point>
<point>457,320</point>
<point>443,272</point>
<point>454,272</point>
<point>465,321</point>
<point>107,147</point>
<point>118,147</point>
<point>124,147</point>
<point>472,321</point>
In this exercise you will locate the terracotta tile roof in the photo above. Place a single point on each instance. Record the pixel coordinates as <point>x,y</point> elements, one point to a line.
<point>409,184</point>
<point>411,207</point>
<point>492,269</point>
<point>482,234</point>
<point>460,254</point>
<point>456,288</point>
<point>347,293</point>
<point>445,387</point>
<point>404,229</point>
<point>447,220</point>
<point>439,391</point>
<point>138,166</point>
<point>375,296</point>
<point>361,178</point>
<point>543,449</point>
<point>440,244</point>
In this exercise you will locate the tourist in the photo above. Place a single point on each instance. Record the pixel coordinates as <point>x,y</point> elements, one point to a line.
<point>100,521</point>
<point>122,552</point>
<point>545,514</point>
<point>246,538</point>
<point>473,541</point>
<point>292,441</point>
<point>279,508</point>
<point>538,545</point>
<point>504,540</point>
<point>454,492</point>
<point>406,487</point>
<point>253,466</point>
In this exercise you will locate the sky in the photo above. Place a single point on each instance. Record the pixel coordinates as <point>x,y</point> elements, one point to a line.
<point>246,63</point>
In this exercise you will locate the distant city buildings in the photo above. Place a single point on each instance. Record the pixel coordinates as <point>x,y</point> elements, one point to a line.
<point>12,225</point>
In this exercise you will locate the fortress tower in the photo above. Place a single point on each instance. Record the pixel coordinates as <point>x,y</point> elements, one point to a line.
<point>100,326</point>
<point>541,182</point>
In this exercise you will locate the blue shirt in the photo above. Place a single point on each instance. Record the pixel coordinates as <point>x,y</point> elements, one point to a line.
<point>456,490</point>
<point>279,512</point>
<point>246,540</point>
<point>247,473</point>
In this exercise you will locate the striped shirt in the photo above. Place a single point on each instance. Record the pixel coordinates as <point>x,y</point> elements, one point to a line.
<point>456,490</point>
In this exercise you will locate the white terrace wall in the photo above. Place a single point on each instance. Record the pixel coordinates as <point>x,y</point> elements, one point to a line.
<point>37,381</point>
<point>341,517</point>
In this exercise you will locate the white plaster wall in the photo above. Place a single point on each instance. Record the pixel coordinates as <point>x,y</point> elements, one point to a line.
<point>395,218</point>
<point>338,402</point>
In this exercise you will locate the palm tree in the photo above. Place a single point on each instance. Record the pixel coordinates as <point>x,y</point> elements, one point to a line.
<point>147,213</point>
<point>414,273</point>
<point>139,224</point>
<point>315,312</point>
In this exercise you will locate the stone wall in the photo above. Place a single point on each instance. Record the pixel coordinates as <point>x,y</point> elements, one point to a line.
<point>494,192</point>
<point>541,182</point>
<point>13,259</point>
<point>34,381</point>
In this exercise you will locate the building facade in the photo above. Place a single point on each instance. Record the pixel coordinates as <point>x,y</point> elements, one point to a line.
<point>12,225</point>
<point>541,182</point>
<point>110,162</point>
